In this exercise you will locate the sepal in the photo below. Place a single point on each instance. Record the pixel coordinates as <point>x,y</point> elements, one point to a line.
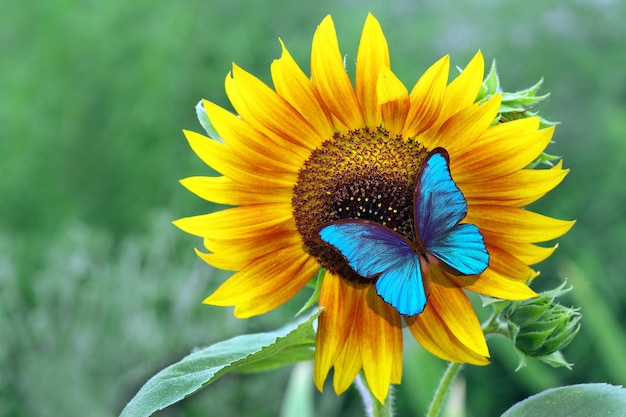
<point>206,123</point>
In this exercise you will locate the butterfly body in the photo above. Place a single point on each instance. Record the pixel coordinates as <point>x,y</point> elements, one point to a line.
<point>400,267</point>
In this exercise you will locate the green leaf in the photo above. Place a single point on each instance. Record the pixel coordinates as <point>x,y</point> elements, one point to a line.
<point>292,354</point>
<point>585,400</point>
<point>205,365</point>
<point>318,278</point>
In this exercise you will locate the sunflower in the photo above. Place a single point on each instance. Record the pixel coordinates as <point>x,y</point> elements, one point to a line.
<point>316,149</point>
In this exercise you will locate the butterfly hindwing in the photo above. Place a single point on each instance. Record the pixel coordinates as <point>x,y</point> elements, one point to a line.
<point>403,287</point>
<point>462,249</point>
<point>439,208</point>
<point>377,252</point>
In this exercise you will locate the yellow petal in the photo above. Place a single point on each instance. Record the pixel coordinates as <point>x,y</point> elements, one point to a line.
<point>275,154</point>
<point>394,101</point>
<point>500,151</point>
<point>339,126</point>
<point>518,189</point>
<point>377,323</point>
<point>516,224</point>
<point>219,157</point>
<point>246,222</point>
<point>495,285</point>
<point>427,98</point>
<point>223,190</point>
<point>267,111</point>
<point>233,256</point>
<point>259,276</point>
<point>295,87</point>
<point>373,55</point>
<point>267,297</point>
<point>528,253</point>
<point>396,368</point>
<point>348,363</point>
<point>448,327</point>
<point>504,263</point>
<point>463,90</point>
<point>455,310</point>
<point>464,126</point>
<point>329,76</point>
<point>339,302</point>
<point>225,242</point>
<point>432,333</point>
<point>501,132</point>
<point>266,283</point>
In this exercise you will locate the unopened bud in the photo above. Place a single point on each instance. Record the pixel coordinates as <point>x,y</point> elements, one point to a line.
<point>541,327</point>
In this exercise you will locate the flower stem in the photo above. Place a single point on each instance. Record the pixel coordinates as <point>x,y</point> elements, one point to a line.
<point>373,407</point>
<point>494,325</point>
<point>443,388</point>
<point>490,327</point>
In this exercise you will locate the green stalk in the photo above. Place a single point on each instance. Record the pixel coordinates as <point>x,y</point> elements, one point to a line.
<point>373,407</point>
<point>443,388</point>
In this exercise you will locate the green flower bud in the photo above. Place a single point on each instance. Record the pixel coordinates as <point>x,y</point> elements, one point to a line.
<point>541,327</point>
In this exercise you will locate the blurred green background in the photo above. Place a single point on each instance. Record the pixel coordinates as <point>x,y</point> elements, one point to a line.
<point>98,290</point>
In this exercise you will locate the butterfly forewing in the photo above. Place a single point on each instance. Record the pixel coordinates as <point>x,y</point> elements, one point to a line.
<point>377,252</point>
<point>439,204</point>
<point>369,248</point>
<point>439,208</point>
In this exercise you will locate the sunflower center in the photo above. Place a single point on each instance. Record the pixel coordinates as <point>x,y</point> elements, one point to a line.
<point>365,174</point>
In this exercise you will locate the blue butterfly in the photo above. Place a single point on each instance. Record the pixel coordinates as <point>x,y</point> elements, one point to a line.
<point>401,267</point>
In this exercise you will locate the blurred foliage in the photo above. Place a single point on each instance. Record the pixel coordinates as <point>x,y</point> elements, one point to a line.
<point>97,292</point>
